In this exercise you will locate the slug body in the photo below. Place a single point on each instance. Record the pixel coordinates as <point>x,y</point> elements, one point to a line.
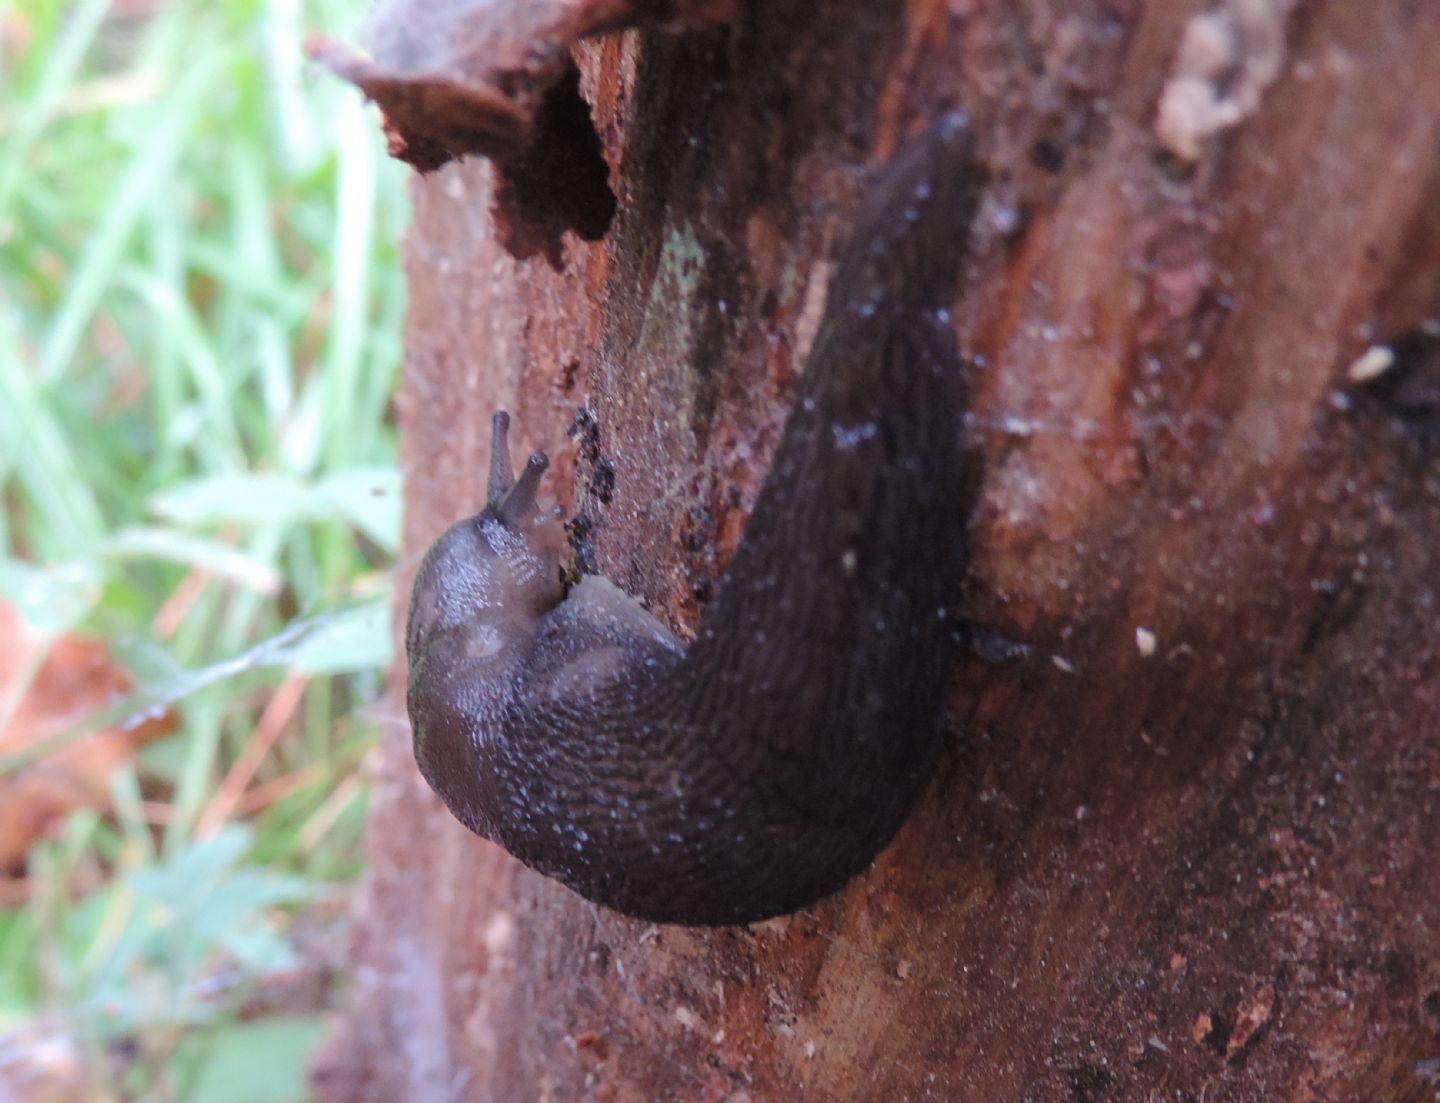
<point>767,764</point>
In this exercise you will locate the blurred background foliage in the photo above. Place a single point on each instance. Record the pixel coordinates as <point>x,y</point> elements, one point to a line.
<point>200,316</point>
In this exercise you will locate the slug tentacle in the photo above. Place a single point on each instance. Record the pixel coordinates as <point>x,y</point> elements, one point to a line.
<point>501,473</point>
<point>518,502</point>
<point>762,767</point>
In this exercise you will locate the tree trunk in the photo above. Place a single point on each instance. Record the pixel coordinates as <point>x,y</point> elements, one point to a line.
<point>1184,842</point>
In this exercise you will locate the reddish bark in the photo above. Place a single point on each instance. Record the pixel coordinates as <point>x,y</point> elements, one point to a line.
<point>1186,848</point>
<point>458,77</point>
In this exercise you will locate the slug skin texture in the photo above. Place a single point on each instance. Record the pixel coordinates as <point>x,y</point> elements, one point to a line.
<point>767,764</point>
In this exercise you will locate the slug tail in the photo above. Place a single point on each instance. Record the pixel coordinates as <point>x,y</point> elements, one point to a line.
<point>913,229</point>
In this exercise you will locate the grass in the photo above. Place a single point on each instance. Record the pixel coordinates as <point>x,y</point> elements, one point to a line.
<point>200,314</point>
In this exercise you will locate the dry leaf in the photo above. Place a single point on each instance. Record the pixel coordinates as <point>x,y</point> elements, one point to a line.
<point>73,677</point>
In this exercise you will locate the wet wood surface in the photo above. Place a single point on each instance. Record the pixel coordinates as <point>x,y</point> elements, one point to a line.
<point>1184,844</point>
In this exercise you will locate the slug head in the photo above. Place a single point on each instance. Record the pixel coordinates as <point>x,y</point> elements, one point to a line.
<point>478,596</point>
<point>488,579</point>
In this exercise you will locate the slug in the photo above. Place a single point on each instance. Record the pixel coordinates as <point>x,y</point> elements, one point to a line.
<point>765,765</point>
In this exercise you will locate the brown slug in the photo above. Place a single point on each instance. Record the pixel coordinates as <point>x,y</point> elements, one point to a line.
<point>766,764</point>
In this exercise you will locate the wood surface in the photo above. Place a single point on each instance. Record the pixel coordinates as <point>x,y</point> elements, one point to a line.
<point>1185,843</point>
